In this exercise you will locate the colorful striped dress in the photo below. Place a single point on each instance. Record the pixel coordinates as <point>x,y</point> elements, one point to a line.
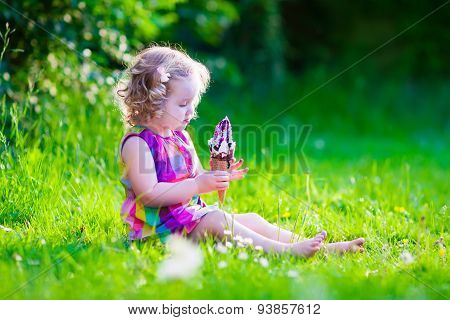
<point>174,161</point>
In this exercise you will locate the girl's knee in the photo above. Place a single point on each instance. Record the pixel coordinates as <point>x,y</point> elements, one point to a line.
<point>249,216</point>
<point>216,215</point>
<point>254,215</point>
<point>214,220</point>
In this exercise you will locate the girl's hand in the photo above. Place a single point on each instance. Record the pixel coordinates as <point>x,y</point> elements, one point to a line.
<point>212,180</point>
<point>237,174</point>
<point>235,165</point>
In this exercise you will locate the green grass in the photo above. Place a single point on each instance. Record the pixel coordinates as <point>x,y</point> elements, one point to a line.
<point>60,194</point>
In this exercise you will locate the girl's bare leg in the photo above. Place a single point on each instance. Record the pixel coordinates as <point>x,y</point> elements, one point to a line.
<point>216,222</point>
<point>260,225</point>
<point>355,245</point>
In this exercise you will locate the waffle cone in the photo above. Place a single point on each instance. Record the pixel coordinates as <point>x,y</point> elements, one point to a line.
<point>221,165</point>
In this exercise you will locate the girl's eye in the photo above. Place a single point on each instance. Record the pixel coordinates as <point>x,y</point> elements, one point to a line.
<point>183,105</point>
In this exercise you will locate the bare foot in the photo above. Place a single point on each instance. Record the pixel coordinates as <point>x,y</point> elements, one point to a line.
<point>346,246</point>
<point>308,248</point>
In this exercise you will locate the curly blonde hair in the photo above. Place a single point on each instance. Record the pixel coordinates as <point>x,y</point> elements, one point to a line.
<point>141,92</point>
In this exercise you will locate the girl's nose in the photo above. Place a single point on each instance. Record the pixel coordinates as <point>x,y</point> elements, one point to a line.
<point>190,110</point>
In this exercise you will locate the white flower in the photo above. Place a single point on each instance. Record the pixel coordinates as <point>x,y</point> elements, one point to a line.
<point>123,47</point>
<point>238,238</point>
<point>228,244</point>
<point>141,281</point>
<point>406,257</point>
<point>263,261</point>
<point>292,274</point>
<point>221,248</point>
<point>33,99</point>
<point>227,232</point>
<point>164,75</point>
<point>33,262</point>
<point>87,53</point>
<point>6,229</point>
<point>185,260</point>
<point>110,80</point>
<point>369,272</point>
<point>222,264</point>
<point>127,57</point>
<point>248,241</point>
<point>67,18</point>
<point>242,255</point>
<point>258,248</point>
<point>17,257</point>
<point>103,33</point>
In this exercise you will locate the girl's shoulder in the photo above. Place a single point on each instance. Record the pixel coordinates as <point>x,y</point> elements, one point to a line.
<point>184,135</point>
<point>146,135</point>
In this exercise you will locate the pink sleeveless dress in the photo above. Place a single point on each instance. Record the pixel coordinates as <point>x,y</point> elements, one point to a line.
<point>174,161</point>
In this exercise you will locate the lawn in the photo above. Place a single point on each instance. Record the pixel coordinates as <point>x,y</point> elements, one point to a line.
<point>62,237</point>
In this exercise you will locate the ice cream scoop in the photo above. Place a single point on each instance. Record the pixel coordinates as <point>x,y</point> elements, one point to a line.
<point>221,145</point>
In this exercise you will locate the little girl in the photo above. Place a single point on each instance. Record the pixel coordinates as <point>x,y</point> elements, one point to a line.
<point>163,177</point>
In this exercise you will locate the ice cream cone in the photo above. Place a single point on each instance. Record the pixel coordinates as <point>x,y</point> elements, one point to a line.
<point>221,147</point>
<point>221,165</point>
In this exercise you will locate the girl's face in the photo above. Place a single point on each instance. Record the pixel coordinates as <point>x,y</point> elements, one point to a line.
<point>180,104</point>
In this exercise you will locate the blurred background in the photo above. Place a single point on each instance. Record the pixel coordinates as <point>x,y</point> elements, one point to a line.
<point>368,76</point>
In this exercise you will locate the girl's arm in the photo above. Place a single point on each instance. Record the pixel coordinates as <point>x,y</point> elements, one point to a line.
<point>141,173</point>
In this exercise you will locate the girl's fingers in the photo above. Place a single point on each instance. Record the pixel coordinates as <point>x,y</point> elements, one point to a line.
<point>239,171</point>
<point>236,165</point>
<point>222,178</point>
<point>239,174</point>
<point>223,185</point>
<point>221,173</point>
<point>237,177</point>
<point>225,176</point>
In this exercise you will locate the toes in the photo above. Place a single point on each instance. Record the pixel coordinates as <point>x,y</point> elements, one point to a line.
<point>321,235</point>
<point>315,245</point>
<point>357,245</point>
<point>359,241</point>
<point>356,248</point>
